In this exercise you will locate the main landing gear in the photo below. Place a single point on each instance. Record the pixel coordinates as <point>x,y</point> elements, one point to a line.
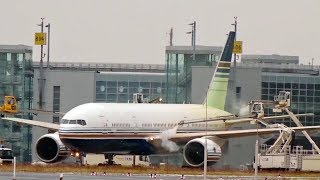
<point>109,159</point>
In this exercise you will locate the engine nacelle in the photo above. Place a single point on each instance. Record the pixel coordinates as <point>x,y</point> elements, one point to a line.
<point>50,149</point>
<point>193,152</point>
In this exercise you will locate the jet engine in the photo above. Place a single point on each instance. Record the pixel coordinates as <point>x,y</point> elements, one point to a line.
<point>193,152</point>
<point>50,149</point>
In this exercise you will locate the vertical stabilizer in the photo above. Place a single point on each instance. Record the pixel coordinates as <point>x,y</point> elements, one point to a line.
<point>217,91</point>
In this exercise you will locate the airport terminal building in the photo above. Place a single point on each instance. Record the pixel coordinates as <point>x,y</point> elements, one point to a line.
<point>181,80</point>
<point>16,78</point>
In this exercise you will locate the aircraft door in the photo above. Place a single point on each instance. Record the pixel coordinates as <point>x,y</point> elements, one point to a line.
<point>104,117</point>
<point>133,122</point>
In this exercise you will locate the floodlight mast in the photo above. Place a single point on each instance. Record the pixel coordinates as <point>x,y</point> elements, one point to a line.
<point>193,39</point>
<point>48,47</point>
<point>205,161</point>
<point>41,78</point>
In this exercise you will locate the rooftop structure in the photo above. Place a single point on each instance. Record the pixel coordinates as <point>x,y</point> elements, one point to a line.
<point>179,65</point>
<point>20,48</point>
<point>189,49</point>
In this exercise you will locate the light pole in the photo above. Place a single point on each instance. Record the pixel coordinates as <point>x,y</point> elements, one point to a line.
<point>48,48</point>
<point>205,161</point>
<point>256,154</point>
<point>193,39</point>
<point>235,24</point>
<point>191,32</point>
<point>171,37</point>
<point>41,83</point>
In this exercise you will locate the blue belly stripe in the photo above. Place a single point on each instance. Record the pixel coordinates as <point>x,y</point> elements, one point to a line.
<point>132,146</point>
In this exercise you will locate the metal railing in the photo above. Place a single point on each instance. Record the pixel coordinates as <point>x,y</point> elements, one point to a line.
<point>288,150</point>
<point>278,66</point>
<point>103,66</point>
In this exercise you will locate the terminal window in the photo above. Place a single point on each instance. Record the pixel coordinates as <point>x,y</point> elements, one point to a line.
<point>55,105</point>
<point>238,90</point>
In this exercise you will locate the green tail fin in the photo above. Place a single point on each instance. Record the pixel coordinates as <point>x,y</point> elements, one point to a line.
<point>217,91</point>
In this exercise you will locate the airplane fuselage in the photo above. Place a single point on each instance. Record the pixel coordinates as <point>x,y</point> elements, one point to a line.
<point>125,128</point>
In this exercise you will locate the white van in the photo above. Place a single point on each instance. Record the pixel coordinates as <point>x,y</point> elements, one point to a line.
<point>124,160</point>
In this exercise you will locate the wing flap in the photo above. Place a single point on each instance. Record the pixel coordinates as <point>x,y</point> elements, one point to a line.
<point>269,118</point>
<point>46,125</point>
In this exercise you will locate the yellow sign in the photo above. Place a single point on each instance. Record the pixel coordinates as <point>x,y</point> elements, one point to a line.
<point>40,39</point>
<point>237,47</point>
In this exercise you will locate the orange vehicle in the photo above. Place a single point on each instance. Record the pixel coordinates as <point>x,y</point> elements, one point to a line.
<point>10,105</point>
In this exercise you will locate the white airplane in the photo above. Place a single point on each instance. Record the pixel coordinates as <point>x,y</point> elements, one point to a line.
<point>144,129</point>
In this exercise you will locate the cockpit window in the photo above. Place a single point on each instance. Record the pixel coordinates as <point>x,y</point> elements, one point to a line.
<point>78,121</point>
<point>81,122</point>
<point>73,122</point>
<point>64,121</point>
<point>84,122</point>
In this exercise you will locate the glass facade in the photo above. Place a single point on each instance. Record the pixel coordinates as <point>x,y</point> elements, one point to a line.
<point>16,78</point>
<point>179,72</point>
<point>55,106</point>
<point>119,87</point>
<point>305,95</point>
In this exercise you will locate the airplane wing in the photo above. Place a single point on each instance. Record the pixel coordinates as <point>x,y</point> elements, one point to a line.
<point>46,125</point>
<point>232,133</point>
<point>230,120</point>
<point>269,118</point>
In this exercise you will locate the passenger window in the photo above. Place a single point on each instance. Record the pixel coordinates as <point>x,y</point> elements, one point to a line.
<point>73,122</point>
